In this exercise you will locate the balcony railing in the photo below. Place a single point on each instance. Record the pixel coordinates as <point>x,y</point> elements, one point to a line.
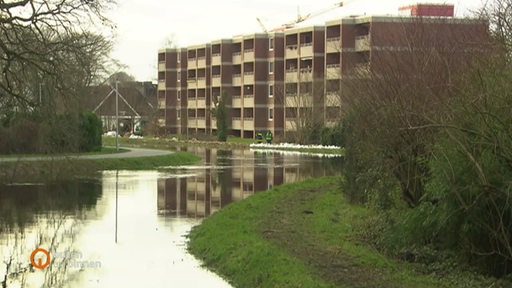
<point>362,43</point>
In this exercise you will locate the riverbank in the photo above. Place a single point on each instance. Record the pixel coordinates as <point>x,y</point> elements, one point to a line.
<point>231,143</point>
<point>318,150</point>
<point>60,167</point>
<point>305,235</point>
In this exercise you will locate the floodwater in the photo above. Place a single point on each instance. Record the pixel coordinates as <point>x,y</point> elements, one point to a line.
<point>128,228</point>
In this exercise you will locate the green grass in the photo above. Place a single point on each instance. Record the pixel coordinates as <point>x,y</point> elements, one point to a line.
<point>142,163</point>
<point>231,244</point>
<point>55,169</point>
<point>239,140</point>
<point>268,240</point>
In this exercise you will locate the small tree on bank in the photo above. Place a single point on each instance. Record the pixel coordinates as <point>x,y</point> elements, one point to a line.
<point>220,112</point>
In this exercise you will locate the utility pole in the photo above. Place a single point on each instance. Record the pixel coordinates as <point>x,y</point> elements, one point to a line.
<point>117,116</point>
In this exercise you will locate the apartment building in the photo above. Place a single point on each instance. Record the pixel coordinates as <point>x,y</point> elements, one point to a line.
<point>283,81</point>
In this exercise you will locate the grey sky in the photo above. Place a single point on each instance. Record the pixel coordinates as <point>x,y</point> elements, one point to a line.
<point>144,26</point>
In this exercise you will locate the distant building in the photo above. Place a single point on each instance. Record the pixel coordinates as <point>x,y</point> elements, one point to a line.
<point>279,81</point>
<point>137,102</point>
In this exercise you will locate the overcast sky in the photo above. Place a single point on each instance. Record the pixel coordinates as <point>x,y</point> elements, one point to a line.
<point>144,26</point>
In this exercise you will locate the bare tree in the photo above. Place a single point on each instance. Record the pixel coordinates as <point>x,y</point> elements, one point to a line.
<point>304,108</point>
<point>45,49</point>
<point>414,70</point>
<point>498,14</point>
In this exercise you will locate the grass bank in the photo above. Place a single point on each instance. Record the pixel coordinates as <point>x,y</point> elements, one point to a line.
<point>301,235</point>
<point>55,169</point>
<point>231,143</point>
<point>170,143</point>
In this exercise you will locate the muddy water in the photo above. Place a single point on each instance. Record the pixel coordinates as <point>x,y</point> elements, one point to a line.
<point>128,228</point>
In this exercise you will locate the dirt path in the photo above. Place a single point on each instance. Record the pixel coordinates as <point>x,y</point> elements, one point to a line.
<point>292,233</point>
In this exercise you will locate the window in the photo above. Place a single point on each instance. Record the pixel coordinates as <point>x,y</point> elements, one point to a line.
<point>179,95</point>
<point>270,114</point>
<point>270,67</point>
<point>270,90</point>
<point>178,58</point>
<point>178,114</point>
<point>271,44</point>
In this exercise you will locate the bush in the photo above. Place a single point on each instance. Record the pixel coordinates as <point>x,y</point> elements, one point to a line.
<point>472,170</point>
<point>333,135</point>
<point>91,130</point>
<point>57,134</point>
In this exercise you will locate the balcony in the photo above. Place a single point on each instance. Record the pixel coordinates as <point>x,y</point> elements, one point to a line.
<point>237,80</point>
<point>192,122</point>
<point>201,122</point>
<point>362,70</point>
<point>161,84</point>
<point>291,75</point>
<point>236,123</point>
<point>306,49</point>
<point>201,82</point>
<point>333,71</point>
<point>249,55</point>
<point>216,81</point>
<point>248,78</point>
<point>291,125</point>
<point>192,63</point>
<point>201,103</point>
<point>362,43</point>
<point>161,66</point>
<point>291,52</point>
<point>248,101</point>
<point>306,74</point>
<point>333,99</point>
<point>201,62</point>
<point>333,45</point>
<point>248,123</point>
<point>299,100</point>
<point>291,100</point>
<point>237,58</point>
<point>237,101</point>
<point>216,60</point>
<point>161,103</point>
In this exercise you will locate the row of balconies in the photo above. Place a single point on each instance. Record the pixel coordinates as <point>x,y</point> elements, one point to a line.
<point>292,100</point>
<point>200,103</point>
<point>332,44</point>
<point>236,123</point>
<point>242,124</point>
<point>292,51</point>
<point>247,101</point>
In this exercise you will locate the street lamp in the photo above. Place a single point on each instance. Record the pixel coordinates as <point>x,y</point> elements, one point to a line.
<point>117,116</point>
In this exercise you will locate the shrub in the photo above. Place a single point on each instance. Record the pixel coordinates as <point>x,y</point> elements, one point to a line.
<point>91,130</point>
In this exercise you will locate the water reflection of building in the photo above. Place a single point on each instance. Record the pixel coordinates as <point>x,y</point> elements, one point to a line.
<point>230,176</point>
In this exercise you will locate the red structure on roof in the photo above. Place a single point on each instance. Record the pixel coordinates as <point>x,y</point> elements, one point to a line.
<point>434,10</point>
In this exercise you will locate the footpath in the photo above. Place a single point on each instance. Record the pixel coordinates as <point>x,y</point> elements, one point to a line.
<point>131,153</point>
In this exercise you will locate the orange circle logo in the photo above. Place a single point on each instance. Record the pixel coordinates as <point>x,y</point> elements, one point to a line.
<point>39,264</point>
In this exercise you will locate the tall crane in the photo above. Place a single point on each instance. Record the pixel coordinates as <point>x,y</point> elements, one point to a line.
<point>300,18</point>
<point>261,25</point>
